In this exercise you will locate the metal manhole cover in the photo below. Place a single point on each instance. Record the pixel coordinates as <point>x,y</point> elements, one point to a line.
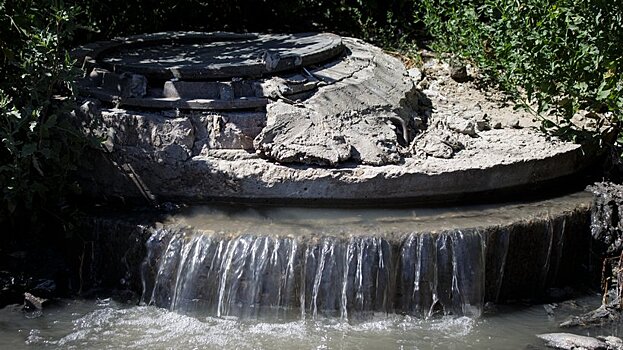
<point>219,55</point>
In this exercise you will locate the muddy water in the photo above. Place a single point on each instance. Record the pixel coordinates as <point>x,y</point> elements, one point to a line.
<point>297,221</point>
<point>285,263</point>
<point>88,324</point>
<point>80,324</point>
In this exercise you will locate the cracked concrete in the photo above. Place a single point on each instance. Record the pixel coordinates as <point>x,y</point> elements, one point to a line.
<point>362,130</point>
<point>350,119</point>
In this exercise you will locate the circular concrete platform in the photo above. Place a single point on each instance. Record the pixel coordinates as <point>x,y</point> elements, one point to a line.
<point>343,123</point>
<point>415,258</point>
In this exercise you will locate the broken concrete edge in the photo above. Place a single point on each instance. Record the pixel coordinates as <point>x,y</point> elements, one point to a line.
<point>530,192</point>
<point>207,179</point>
<point>390,183</point>
<point>352,118</point>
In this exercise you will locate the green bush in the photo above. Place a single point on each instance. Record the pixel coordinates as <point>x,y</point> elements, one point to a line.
<point>40,146</point>
<point>563,55</point>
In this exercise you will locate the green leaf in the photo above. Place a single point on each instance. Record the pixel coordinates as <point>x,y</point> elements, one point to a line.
<point>28,150</point>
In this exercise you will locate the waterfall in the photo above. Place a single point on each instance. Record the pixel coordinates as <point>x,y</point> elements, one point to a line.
<point>284,276</point>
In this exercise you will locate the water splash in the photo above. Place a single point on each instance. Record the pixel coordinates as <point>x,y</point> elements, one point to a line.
<point>252,276</point>
<point>287,266</point>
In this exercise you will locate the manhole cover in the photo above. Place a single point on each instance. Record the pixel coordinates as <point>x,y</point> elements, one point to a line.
<point>219,55</point>
<point>205,71</point>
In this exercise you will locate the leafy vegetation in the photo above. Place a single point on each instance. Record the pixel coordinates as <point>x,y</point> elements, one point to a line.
<point>561,55</point>
<point>40,147</point>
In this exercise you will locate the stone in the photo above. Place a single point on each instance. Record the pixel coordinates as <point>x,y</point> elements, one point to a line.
<point>125,85</point>
<point>436,148</point>
<point>415,74</point>
<point>165,139</point>
<point>274,88</point>
<point>572,341</point>
<point>96,76</point>
<point>439,144</point>
<point>90,108</point>
<point>459,73</point>
<point>463,126</point>
<point>601,315</point>
<point>233,131</point>
<point>614,343</point>
<point>32,303</point>
<point>514,123</point>
<point>133,85</point>
<point>606,216</point>
<point>483,125</point>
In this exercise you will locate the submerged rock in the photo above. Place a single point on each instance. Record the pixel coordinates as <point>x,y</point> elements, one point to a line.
<point>32,303</point>
<point>614,343</point>
<point>597,317</point>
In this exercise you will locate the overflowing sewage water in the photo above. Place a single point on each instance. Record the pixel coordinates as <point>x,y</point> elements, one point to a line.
<point>308,278</point>
<point>80,324</point>
<point>287,263</point>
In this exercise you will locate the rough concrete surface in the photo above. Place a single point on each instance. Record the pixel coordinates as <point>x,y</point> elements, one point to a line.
<point>352,118</point>
<point>368,130</point>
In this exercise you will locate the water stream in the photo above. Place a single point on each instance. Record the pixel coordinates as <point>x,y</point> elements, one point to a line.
<point>286,263</point>
<point>80,324</point>
<point>300,278</point>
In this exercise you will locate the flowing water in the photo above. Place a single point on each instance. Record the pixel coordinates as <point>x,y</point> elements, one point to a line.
<point>80,324</point>
<point>286,263</point>
<point>232,277</point>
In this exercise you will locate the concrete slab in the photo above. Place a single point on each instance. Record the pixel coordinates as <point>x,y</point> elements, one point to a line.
<point>358,129</point>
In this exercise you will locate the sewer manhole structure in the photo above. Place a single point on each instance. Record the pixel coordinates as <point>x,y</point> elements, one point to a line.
<point>196,117</point>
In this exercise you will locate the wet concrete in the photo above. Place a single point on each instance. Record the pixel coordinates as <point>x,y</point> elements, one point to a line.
<point>509,252</point>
